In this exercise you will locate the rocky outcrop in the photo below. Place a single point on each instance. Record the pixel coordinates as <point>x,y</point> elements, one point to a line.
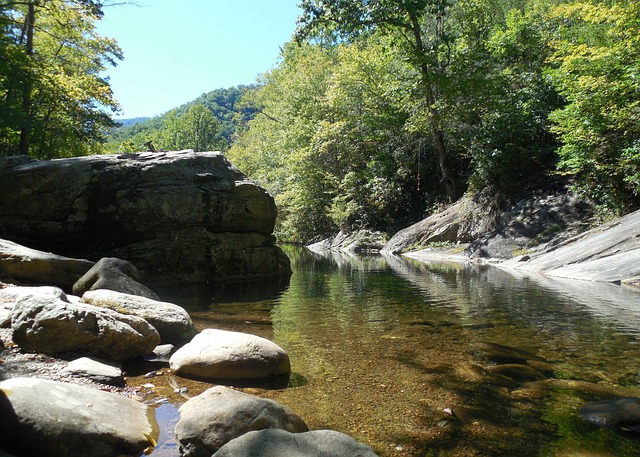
<point>220,414</point>
<point>220,354</point>
<point>277,443</point>
<point>172,322</point>
<point>179,217</point>
<point>361,242</point>
<point>74,421</point>
<point>45,320</point>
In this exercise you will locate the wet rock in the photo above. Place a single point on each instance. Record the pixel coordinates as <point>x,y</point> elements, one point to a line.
<point>113,274</point>
<point>35,267</point>
<point>45,320</point>
<point>97,370</point>
<point>278,443</point>
<point>518,372</point>
<point>220,414</point>
<point>220,354</point>
<point>621,415</point>
<point>171,321</point>
<point>41,417</point>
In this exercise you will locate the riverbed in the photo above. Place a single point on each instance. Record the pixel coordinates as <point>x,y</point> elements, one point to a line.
<point>393,352</point>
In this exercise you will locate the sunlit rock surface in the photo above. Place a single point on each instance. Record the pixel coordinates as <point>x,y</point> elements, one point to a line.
<point>74,421</point>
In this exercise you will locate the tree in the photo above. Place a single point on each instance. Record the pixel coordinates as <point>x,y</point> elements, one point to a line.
<point>597,55</point>
<point>422,29</point>
<point>53,96</point>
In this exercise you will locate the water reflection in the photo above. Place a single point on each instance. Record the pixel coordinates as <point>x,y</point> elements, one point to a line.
<point>391,352</point>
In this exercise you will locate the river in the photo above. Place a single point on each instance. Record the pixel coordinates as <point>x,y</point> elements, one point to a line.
<point>398,354</point>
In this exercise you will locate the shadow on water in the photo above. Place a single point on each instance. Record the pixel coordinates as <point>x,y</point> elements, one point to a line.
<point>394,353</point>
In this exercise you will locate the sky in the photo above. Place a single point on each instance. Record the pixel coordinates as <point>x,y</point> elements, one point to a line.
<point>174,51</point>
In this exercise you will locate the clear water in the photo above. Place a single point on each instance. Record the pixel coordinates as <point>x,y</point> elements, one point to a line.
<point>383,349</point>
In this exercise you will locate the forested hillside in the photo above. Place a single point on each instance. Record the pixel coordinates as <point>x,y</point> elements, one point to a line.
<point>380,110</point>
<point>210,122</point>
<point>375,114</point>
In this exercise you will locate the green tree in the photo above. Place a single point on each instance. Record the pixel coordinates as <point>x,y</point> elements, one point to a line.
<point>52,94</point>
<point>597,70</point>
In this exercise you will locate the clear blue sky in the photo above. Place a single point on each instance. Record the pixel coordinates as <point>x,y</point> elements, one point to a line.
<point>174,51</point>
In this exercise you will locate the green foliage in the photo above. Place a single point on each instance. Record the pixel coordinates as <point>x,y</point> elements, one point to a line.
<point>52,94</point>
<point>596,68</point>
<point>224,104</point>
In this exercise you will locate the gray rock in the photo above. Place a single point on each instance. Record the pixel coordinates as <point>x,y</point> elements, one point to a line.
<point>363,241</point>
<point>621,415</point>
<point>34,267</point>
<point>278,443</point>
<point>113,274</point>
<point>171,321</point>
<point>180,217</point>
<point>45,320</point>
<point>42,417</point>
<point>220,414</point>
<point>96,370</point>
<point>220,354</point>
<point>161,353</point>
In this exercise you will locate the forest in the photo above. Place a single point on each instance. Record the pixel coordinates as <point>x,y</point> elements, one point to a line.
<point>377,112</point>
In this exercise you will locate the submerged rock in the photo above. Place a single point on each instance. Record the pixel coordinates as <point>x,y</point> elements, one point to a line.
<point>113,274</point>
<point>41,417</point>
<point>278,443</point>
<point>621,415</point>
<point>172,322</point>
<point>220,414</point>
<point>220,354</point>
<point>45,320</point>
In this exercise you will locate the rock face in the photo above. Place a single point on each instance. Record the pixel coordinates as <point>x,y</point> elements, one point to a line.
<point>44,320</point>
<point>220,414</point>
<point>171,321</point>
<point>220,354</point>
<point>113,274</point>
<point>74,421</point>
<point>179,217</point>
<point>277,443</point>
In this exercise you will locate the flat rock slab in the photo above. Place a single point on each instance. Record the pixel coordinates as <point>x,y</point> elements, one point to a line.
<point>45,320</point>
<point>220,354</point>
<point>172,322</point>
<point>42,417</point>
<point>220,414</point>
<point>278,443</point>
<point>621,415</point>
<point>96,370</point>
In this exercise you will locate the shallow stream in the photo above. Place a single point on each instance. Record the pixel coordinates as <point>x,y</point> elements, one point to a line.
<point>398,354</point>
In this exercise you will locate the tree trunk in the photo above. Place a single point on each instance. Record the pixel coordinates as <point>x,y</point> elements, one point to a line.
<point>28,83</point>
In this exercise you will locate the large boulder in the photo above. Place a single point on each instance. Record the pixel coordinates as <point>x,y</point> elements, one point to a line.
<point>171,321</point>
<point>277,443</point>
<point>220,414</point>
<point>180,217</point>
<point>25,265</point>
<point>44,320</point>
<point>220,354</point>
<point>113,274</point>
<point>42,417</point>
